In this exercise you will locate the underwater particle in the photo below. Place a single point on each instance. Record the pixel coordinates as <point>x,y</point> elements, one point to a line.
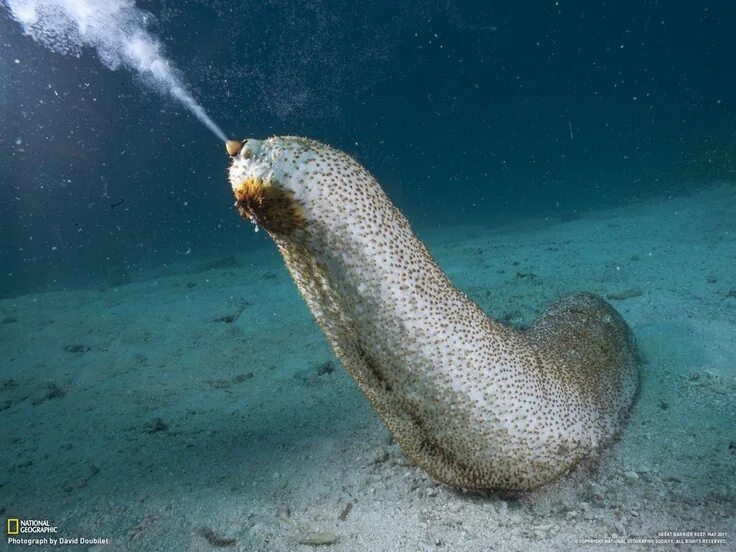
<point>380,456</point>
<point>232,317</point>
<point>53,391</point>
<point>319,539</point>
<point>345,511</point>
<point>218,264</point>
<point>627,294</point>
<point>9,383</point>
<point>228,383</point>
<point>315,375</point>
<point>631,475</point>
<point>155,425</point>
<point>227,318</point>
<point>240,378</point>
<point>216,540</point>
<point>117,203</point>
<point>325,368</point>
<point>77,349</point>
<point>429,360</point>
<point>142,527</point>
<point>83,481</point>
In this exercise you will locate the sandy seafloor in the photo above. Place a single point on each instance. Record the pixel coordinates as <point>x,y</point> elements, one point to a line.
<point>203,409</point>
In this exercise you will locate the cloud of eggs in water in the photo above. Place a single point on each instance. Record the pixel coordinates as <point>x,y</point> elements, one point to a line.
<point>116,29</point>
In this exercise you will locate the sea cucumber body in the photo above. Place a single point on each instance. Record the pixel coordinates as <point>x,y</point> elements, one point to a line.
<point>475,404</point>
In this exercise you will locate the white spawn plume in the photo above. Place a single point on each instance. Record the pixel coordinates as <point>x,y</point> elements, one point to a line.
<point>116,29</point>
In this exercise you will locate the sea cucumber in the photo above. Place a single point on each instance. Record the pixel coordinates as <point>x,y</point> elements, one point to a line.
<point>476,404</point>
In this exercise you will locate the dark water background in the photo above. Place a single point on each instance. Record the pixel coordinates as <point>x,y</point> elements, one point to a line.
<point>467,112</point>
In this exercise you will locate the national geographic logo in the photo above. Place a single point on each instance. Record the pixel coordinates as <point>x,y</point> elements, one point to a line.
<point>18,526</point>
<point>40,532</point>
<point>13,526</point>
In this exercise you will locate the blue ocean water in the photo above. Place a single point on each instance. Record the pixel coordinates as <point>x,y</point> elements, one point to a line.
<point>464,111</point>
<point>163,385</point>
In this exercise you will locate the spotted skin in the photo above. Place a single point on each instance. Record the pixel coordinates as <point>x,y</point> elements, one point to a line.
<point>475,404</point>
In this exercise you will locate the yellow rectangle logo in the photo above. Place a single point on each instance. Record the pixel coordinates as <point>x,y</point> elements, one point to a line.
<point>13,526</point>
